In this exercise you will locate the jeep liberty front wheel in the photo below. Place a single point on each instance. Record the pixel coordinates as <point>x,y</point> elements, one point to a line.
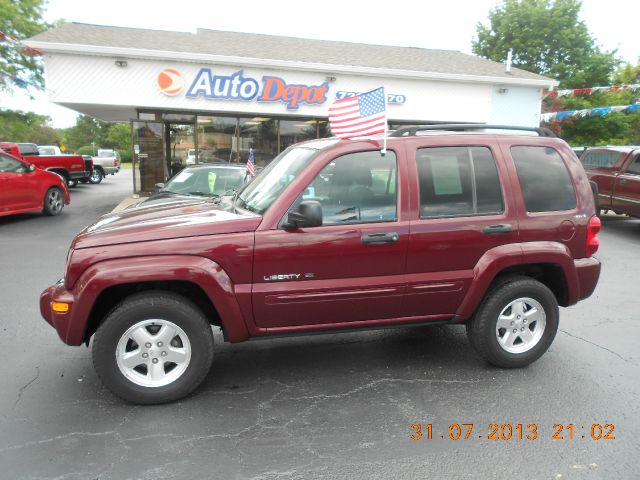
<point>515,324</point>
<point>154,347</point>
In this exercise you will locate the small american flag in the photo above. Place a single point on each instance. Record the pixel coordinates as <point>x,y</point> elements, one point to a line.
<point>360,116</point>
<point>251,165</point>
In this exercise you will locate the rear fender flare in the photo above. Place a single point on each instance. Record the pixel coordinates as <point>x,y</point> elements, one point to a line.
<point>498,259</point>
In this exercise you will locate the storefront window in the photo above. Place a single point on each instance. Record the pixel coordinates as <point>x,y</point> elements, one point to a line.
<point>151,116</point>
<point>261,134</point>
<point>178,117</point>
<point>323,129</point>
<point>294,131</point>
<point>217,139</point>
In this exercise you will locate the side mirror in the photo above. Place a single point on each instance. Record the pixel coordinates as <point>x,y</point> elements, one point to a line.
<point>309,214</point>
<point>159,186</point>
<point>32,168</point>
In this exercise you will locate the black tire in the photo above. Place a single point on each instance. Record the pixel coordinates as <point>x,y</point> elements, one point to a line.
<point>72,183</point>
<point>96,176</point>
<point>163,306</point>
<point>53,202</point>
<point>482,328</point>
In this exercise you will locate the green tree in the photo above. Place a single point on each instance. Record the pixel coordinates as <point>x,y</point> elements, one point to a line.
<point>19,20</point>
<point>18,126</point>
<point>118,136</point>
<point>547,38</point>
<point>86,131</point>
<point>627,74</point>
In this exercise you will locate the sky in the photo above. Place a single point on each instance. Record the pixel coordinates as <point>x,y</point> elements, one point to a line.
<point>446,25</point>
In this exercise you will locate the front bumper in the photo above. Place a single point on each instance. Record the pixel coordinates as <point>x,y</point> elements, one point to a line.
<point>62,322</point>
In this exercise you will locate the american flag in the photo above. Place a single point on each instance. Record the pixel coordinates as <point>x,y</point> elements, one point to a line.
<point>251,165</point>
<point>360,116</point>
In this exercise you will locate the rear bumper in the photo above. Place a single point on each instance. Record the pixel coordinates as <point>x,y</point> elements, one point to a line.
<point>588,272</point>
<point>62,322</point>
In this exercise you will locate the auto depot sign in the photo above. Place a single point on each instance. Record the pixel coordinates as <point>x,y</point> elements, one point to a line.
<point>237,86</point>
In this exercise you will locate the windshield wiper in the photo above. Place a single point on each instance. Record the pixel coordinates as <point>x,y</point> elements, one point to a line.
<point>204,194</point>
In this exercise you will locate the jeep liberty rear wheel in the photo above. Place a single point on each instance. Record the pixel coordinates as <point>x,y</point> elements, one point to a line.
<point>154,347</point>
<point>515,324</point>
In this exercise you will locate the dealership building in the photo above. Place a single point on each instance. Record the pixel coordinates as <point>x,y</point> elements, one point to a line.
<point>210,96</point>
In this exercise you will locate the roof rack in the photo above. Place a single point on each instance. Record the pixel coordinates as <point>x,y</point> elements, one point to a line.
<point>464,127</point>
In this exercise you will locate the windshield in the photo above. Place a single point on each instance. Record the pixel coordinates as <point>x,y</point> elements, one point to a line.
<point>106,153</point>
<point>258,196</point>
<point>212,181</point>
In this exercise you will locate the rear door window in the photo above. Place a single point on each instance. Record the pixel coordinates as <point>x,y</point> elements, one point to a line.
<point>544,179</point>
<point>458,181</point>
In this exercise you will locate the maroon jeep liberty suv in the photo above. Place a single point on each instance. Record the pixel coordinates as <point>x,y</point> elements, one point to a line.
<point>451,224</point>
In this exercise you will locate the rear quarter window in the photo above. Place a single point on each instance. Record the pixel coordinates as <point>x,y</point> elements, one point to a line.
<point>544,179</point>
<point>600,158</point>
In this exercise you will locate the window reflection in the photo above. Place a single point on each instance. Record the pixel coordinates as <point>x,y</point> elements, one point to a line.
<point>295,131</point>
<point>216,140</point>
<point>261,134</point>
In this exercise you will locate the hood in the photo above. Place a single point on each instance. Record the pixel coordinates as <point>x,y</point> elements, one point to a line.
<point>181,219</point>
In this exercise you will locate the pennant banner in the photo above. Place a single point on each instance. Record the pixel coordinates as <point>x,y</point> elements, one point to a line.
<point>18,44</point>
<point>588,112</point>
<point>583,92</point>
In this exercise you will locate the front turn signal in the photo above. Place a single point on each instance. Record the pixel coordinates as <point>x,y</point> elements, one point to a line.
<point>60,307</point>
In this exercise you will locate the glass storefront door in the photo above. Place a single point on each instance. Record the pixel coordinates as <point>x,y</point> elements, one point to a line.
<point>180,147</point>
<point>148,155</point>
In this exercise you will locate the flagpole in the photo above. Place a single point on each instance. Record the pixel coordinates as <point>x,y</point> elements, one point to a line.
<point>386,123</point>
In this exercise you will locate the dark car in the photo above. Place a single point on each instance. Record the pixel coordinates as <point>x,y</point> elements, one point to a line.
<point>198,183</point>
<point>447,226</point>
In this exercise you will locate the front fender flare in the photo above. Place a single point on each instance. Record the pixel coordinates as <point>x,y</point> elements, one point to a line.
<point>204,273</point>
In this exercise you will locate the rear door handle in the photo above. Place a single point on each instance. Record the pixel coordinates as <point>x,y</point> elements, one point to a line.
<point>380,238</point>
<point>500,228</point>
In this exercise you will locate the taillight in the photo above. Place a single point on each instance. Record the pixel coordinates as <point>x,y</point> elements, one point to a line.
<point>116,162</point>
<point>593,228</point>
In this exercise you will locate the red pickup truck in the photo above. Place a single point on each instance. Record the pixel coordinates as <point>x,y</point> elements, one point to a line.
<point>616,171</point>
<point>446,226</point>
<point>70,167</point>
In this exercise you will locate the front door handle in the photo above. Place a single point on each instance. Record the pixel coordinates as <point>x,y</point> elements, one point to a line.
<point>500,228</point>
<point>380,238</point>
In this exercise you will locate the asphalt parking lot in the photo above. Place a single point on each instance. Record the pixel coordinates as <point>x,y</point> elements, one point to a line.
<point>323,406</point>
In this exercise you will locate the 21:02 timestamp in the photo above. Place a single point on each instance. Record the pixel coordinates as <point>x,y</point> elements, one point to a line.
<point>516,431</point>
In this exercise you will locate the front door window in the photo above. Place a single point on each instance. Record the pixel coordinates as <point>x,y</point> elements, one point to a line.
<point>356,188</point>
